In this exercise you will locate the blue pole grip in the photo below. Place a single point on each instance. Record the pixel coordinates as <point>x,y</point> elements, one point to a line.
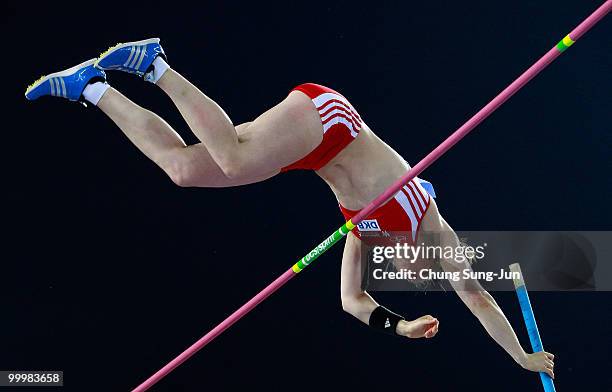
<point>534,335</point>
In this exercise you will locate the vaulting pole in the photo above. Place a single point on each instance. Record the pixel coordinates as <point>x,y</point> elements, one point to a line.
<point>530,321</point>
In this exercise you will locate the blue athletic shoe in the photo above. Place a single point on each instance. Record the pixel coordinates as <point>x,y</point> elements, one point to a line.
<point>69,83</point>
<point>132,57</point>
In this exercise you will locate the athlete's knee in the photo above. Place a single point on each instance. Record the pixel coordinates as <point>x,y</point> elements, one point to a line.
<point>232,167</point>
<point>180,172</point>
<point>237,163</point>
<point>179,177</point>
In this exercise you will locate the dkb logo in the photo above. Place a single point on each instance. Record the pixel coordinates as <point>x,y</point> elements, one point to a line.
<point>368,225</point>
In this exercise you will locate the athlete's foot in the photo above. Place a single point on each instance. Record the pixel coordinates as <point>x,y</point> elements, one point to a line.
<point>143,58</point>
<point>69,83</point>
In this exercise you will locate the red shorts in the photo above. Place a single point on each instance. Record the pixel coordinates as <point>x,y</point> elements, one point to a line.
<point>341,125</point>
<point>403,213</point>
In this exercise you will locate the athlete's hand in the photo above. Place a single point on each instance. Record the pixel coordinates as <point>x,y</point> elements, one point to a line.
<point>540,362</point>
<point>423,327</point>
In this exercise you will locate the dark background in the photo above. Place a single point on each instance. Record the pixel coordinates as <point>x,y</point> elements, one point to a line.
<point>109,270</point>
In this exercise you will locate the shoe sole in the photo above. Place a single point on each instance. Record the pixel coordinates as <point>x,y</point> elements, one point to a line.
<point>64,73</point>
<point>121,46</point>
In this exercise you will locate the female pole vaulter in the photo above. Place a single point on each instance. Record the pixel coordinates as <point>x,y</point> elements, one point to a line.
<point>313,128</point>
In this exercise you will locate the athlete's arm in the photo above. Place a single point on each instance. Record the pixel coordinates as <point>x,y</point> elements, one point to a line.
<point>361,305</point>
<point>488,312</point>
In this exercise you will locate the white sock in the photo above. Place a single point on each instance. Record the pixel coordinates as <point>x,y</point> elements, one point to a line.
<point>93,92</point>
<point>160,66</point>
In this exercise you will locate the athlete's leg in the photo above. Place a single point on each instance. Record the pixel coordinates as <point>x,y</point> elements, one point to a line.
<point>279,137</point>
<point>185,165</point>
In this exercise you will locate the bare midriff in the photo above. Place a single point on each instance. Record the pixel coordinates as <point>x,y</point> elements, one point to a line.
<point>363,170</point>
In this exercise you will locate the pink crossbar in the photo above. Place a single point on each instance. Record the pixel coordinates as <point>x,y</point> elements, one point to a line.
<point>459,134</point>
